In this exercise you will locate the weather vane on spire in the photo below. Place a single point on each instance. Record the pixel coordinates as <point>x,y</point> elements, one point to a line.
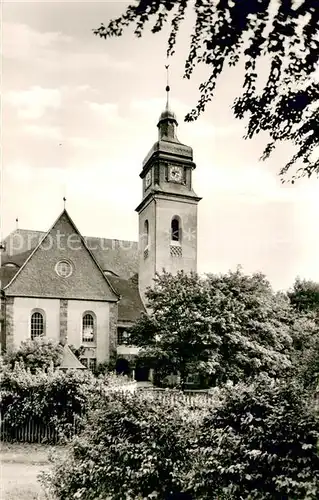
<point>167,86</point>
<point>17,223</point>
<point>64,201</point>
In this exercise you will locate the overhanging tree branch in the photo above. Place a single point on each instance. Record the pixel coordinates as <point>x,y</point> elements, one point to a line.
<point>283,34</point>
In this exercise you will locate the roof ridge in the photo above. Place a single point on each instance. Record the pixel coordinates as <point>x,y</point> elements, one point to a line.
<point>83,242</point>
<point>15,231</point>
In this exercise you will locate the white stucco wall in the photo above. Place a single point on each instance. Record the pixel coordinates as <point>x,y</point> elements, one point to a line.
<point>76,308</point>
<point>22,309</point>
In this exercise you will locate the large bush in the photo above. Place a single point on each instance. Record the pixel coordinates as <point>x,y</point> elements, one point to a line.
<point>44,397</point>
<point>50,397</point>
<point>41,352</point>
<point>132,448</point>
<point>261,443</point>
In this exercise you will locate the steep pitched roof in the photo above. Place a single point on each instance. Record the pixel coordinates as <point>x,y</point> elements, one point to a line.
<point>63,219</point>
<point>18,259</point>
<point>70,361</point>
<point>119,256</point>
<point>6,275</point>
<point>130,307</point>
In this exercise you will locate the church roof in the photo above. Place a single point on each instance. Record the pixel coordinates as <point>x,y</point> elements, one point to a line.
<point>130,305</point>
<point>118,256</point>
<point>70,361</point>
<point>38,279</point>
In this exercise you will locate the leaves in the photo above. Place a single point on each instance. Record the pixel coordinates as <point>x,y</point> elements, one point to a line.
<point>39,353</point>
<point>279,36</point>
<point>222,327</point>
<point>259,441</point>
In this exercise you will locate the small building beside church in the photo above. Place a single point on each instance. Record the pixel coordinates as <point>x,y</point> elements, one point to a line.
<point>91,290</point>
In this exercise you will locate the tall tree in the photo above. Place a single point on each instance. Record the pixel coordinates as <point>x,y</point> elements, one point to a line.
<point>225,327</point>
<point>305,295</point>
<point>278,36</point>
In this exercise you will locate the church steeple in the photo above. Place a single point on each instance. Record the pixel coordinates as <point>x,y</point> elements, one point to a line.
<point>167,121</point>
<point>168,210</point>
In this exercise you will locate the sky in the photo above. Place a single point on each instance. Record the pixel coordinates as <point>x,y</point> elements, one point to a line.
<point>79,115</point>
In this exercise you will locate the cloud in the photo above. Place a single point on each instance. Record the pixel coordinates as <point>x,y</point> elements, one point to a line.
<point>21,41</point>
<point>44,131</point>
<point>105,110</point>
<point>33,103</point>
<point>204,129</point>
<point>55,51</point>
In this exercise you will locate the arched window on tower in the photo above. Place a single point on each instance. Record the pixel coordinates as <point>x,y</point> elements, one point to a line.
<point>146,238</point>
<point>175,230</point>
<point>37,324</point>
<point>176,237</point>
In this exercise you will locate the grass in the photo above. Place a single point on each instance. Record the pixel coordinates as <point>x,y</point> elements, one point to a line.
<point>20,466</point>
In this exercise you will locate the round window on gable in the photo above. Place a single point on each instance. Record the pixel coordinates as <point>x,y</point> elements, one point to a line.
<point>64,269</point>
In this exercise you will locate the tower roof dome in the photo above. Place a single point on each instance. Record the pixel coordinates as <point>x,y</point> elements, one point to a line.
<point>167,114</point>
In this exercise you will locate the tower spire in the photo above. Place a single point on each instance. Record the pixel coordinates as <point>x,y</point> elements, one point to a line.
<point>167,121</point>
<point>167,86</point>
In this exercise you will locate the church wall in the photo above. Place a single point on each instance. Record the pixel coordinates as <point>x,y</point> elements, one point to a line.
<point>101,310</point>
<point>7,309</point>
<point>22,309</point>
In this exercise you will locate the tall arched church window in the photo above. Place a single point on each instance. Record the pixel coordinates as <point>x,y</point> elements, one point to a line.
<point>176,237</point>
<point>37,324</point>
<point>146,238</point>
<point>88,328</point>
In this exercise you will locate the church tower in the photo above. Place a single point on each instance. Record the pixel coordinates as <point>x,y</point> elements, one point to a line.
<point>168,211</point>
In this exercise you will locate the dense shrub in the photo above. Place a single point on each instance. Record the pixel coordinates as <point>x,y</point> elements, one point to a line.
<point>40,353</point>
<point>50,397</point>
<point>131,448</point>
<point>45,397</point>
<point>261,443</point>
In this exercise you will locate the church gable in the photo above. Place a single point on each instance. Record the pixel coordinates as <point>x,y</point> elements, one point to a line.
<point>62,267</point>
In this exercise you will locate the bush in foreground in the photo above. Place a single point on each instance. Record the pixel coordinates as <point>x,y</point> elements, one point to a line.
<point>259,442</point>
<point>131,448</point>
<point>49,397</point>
<point>40,353</point>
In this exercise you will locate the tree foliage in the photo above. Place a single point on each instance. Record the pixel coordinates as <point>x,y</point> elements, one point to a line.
<point>258,442</point>
<point>131,448</point>
<point>305,357</point>
<point>261,443</point>
<point>39,353</point>
<point>50,397</point>
<point>229,327</point>
<point>276,38</point>
<point>305,295</point>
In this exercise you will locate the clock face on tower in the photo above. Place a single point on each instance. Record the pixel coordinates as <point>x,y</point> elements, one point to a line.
<point>148,179</point>
<point>175,173</point>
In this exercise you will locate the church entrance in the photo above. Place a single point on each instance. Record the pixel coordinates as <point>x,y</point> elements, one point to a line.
<point>141,372</point>
<point>122,366</point>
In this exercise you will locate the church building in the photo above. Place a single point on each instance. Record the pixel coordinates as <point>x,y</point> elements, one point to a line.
<point>87,291</point>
